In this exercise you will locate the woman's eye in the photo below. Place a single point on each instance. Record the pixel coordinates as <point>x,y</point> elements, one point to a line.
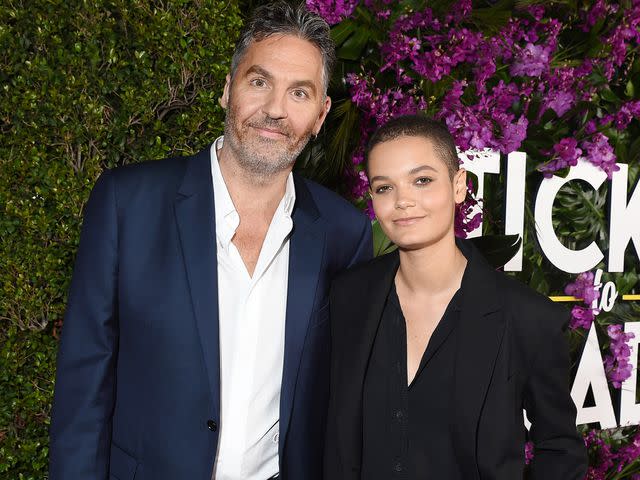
<point>423,181</point>
<point>382,189</point>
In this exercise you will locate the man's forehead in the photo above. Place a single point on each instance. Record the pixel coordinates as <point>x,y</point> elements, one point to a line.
<point>284,54</point>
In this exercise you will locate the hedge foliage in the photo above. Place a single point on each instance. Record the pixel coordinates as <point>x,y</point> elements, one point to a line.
<point>84,85</point>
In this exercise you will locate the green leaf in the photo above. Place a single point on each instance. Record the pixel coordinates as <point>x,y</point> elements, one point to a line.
<point>353,47</point>
<point>629,90</point>
<point>381,243</point>
<point>498,249</point>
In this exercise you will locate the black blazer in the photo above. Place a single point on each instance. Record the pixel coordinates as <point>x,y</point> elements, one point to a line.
<point>511,355</point>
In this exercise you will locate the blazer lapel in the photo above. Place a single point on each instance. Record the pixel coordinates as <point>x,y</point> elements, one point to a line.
<point>360,331</point>
<point>306,248</point>
<point>479,340</point>
<point>195,216</point>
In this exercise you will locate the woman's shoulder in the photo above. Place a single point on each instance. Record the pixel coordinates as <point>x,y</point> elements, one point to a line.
<point>371,270</point>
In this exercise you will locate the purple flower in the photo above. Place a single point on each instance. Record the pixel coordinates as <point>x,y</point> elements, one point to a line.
<point>333,11</point>
<point>594,13</point>
<point>558,101</point>
<point>599,152</point>
<point>513,134</point>
<point>459,11</point>
<point>528,452</point>
<point>627,112</point>
<point>582,317</point>
<point>361,185</point>
<point>583,288</point>
<point>605,456</point>
<point>617,365</point>
<point>565,154</point>
<point>368,210</point>
<point>465,220</point>
<point>531,61</point>
<point>590,127</point>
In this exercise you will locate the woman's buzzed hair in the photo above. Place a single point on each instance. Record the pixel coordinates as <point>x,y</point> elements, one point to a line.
<point>281,18</point>
<point>417,125</point>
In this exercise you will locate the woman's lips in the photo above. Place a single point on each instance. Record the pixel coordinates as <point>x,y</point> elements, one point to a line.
<point>406,221</point>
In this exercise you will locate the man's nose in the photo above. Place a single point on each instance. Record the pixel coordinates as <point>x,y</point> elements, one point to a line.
<point>275,105</point>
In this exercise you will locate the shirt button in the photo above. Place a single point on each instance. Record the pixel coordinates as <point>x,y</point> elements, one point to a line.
<point>276,437</point>
<point>398,467</point>
<point>399,414</point>
<point>211,425</point>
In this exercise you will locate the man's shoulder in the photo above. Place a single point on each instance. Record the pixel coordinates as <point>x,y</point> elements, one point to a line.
<point>329,203</point>
<point>164,176</point>
<point>154,171</point>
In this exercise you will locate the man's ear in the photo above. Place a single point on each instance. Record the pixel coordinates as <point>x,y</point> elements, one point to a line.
<point>224,99</point>
<point>323,115</point>
<point>460,185</point>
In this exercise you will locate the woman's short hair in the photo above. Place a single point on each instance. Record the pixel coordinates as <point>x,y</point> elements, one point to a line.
<point>417,125</point>
<point>280,18</point>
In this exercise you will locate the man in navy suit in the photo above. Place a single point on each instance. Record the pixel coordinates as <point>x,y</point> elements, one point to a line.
<point>196,343</point>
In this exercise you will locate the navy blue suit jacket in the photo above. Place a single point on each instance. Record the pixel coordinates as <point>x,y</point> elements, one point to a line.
<point>137,388</point>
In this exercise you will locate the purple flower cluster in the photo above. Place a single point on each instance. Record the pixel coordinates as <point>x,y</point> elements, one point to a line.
<point>467,218</point>
<point>333,11</point>
<point>377,107</point>
<point>583,288</point>
<point>488,123</point>
<point>607,460</point>
<point>596,12</point>
<point>565,155</point>
<point>600,153</point>
<point>529,451</point>
<point>625,34</point>
<point>617,364</point>
<point>482,108</point>
<point>627,112</point>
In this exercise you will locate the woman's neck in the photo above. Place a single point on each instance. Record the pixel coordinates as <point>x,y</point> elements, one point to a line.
<point>431,270</point>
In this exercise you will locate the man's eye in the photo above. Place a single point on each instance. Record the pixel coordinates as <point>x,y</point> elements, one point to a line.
<point>258,82</point>
<point>300,94</point>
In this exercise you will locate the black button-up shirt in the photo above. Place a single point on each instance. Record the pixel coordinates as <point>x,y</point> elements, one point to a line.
<point>407,429</point>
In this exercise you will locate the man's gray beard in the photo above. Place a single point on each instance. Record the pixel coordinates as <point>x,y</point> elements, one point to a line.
<point>261,167</point>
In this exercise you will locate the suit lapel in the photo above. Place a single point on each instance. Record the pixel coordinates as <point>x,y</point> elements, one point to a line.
<point>306,248</point>
<point>360,331</point>
<point>195,216</point>
<point>479,340</point>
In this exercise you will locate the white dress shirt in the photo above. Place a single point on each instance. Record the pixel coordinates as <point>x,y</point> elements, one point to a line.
<point>252,312</point>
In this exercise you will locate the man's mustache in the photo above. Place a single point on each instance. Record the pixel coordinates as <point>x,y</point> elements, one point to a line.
<point>271,124</point>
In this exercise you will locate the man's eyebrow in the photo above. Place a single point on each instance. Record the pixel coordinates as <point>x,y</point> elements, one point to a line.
<point>260,71</point>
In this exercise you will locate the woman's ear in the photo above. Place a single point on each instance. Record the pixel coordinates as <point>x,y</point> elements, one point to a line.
<point>460,185</point>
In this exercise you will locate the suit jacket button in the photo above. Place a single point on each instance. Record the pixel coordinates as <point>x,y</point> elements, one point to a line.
<point>211,425</point>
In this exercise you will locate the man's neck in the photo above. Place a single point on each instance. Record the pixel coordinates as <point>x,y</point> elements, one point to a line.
<point>252,194</point>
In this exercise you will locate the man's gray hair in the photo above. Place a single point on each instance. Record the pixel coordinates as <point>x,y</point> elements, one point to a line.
<point>280,18</point>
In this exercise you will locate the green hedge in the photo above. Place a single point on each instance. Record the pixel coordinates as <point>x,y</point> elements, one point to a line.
<point>84,85</point>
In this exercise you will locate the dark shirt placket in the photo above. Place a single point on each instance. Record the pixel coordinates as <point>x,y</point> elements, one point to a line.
<point>407,428</point>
